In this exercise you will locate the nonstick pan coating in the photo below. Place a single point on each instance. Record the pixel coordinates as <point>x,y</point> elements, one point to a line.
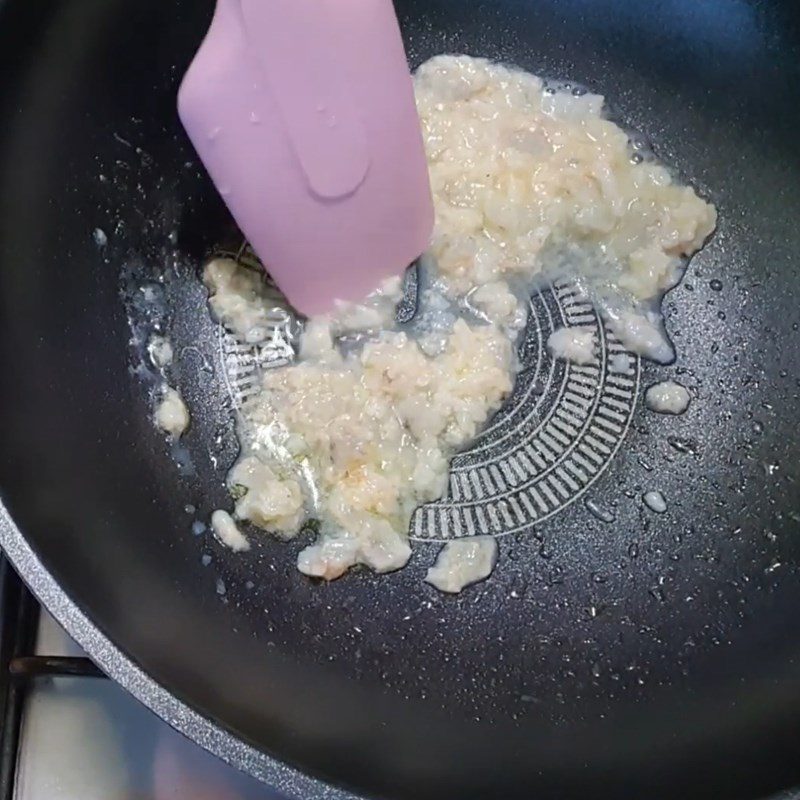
<point>650,656</point>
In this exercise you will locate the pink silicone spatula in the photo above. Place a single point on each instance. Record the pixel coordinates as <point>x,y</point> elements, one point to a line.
<point>303,113</point>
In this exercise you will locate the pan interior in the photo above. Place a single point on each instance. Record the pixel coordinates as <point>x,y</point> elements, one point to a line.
<point>651,653</point>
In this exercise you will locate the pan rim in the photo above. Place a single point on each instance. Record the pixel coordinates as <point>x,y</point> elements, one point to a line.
<point>290,781</point>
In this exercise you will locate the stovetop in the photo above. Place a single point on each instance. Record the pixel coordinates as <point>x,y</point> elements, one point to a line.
<point>68,733</point>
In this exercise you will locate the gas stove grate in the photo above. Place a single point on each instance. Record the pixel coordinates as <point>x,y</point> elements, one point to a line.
<point>18,627</point>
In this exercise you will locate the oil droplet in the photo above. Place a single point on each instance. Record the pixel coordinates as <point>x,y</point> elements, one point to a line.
<point>682,445</point>
<point>657,593</point>
<point>655,501</point>
<point>715,284</point>
<point>598,511</point>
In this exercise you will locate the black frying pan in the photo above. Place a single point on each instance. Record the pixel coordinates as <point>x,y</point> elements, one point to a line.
<point>652,656</point>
